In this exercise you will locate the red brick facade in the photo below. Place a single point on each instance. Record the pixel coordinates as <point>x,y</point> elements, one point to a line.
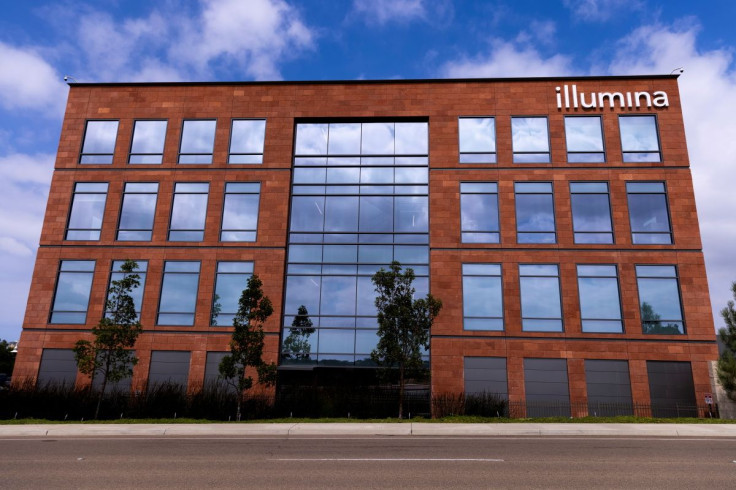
<point>441,103</point>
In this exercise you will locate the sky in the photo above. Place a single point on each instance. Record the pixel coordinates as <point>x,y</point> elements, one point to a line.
<point>234,40</point>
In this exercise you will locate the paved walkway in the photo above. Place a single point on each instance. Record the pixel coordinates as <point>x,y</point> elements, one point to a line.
<point>368,429</point>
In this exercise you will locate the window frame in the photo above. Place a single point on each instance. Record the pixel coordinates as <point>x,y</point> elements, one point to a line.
<point>617,279</point>
<point>603,151</point>
<point>181,140</point>
<point>625,152</point>
<point>230,141</point>
<point>503,304</point>
<point>122,205</point>
<point>493,154</point>
<point>196,294</point>
<point>554,212</point>
<point>214,287</point>
<point>112,271</point>
<point>56,290</point>
<point>610,212</point>
<point>549,142</point>
<point>82,154</point>
<point>257,213</point>
<point>67,229</point>
<point>496,232</point>
<point>132,139</point>
<point>676,278</point>
<point>560,296</point>
<point>666,194</point>
<point>171,212</point>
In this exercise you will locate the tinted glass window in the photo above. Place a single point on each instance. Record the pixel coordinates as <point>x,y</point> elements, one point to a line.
<point>482,297</point>
<point>137,211</point>
<point>99,142</point>
<point>648,213</point>
<point>584,137</point>
<point>246,141</point>
<point>232,279</point>
<point>535,217</point>
<point>197,141</point>
<point>88,210</point>
<point>600,303</point>
<point>137,293</point>
<point>659,299</point>
<point>479,212</point>
<point>530,139</point>
<point>148,142</point>
<point>477,137</point>
<point>188,212</point>
<point>73,286</point>
<point>639,139</point>
<point>178,293</point>
<point>240,212</point>
<point>591,212</point>
<point>541,309</point>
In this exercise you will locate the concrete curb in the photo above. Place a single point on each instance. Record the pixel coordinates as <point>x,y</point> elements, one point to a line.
<point>367,429</point>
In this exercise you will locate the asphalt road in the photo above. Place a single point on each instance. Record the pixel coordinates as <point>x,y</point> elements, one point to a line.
<point>367,462</point>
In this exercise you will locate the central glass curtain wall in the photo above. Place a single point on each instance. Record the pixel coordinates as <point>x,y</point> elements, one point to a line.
<point>359,201</point>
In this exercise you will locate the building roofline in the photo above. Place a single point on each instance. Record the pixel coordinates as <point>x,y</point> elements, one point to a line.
<point>377,81</point>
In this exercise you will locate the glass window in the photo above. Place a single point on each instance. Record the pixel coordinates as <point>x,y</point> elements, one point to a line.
<point>584,137</point>
<point>479,212</point>
<point>541,309</point>
<point>535,212</point>
<point>73,286</point>
<point>482,297</point>
<point>344,139</point>
<point>137,294</point>
<point>87,211</point>
<point>477,139</point>
<point>232,279</point>
<point>639,139</point>
<point>137,211</point>
<point>188,212</point>
<point>591,212</point>
<point>99,142</point>
<point>197,141</point>
<point>600,302</point>
<point>659,299</point>
<point>178,293</point>
<point>246,141</point>
<point>648,213</point>
<point>148,142</point>
<point>307,213</point>
<point>240,212</point>
<point>530,139</point>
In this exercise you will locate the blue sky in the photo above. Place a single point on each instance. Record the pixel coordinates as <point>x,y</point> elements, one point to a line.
<point>170,40</point>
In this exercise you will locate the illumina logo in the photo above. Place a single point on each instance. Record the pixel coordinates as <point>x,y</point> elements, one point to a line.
<point>598,100</point>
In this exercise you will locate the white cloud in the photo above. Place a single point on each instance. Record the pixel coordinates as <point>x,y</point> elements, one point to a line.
<point>384,11</point>
<point>24,189</point>
<point>708,90</point>
<point>27,81</point>
<point>600,10</point>
<point>506,59</point>
<point>252,37</point>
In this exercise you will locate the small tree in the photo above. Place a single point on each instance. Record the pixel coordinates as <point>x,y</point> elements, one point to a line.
<point>403,324</point>
<point>7,358</point>
<point>296,344</point>
<point>246,345</point>
<point>727,361</point>
<point>109,354</point>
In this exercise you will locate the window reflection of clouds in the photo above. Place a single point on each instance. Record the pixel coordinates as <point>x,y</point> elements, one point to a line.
<point>591,212</point>
<point>188,214</point>
<point>72,291</point>
<point>639,140</point>
<point>178,293</point>
<point>344,139</point>
<point>600,303</point>
<point>100,137</point>
<point>477,134</point>
<point>198,136</point>
<point>311,139</point>
<point>583,134</point>
<point>534,212</point>
<point>529,134</point>
<point>247,135</point>
<point>232,279</point>
<point>148,142</point>
<point>378,139</point>
<point>540,297</point>
<point>648,214</point>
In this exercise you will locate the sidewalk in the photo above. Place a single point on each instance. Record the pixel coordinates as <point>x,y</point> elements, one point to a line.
<point>367,429</point>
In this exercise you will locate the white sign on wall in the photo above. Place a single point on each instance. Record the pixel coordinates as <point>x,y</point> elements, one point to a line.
<point>569,97</point>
